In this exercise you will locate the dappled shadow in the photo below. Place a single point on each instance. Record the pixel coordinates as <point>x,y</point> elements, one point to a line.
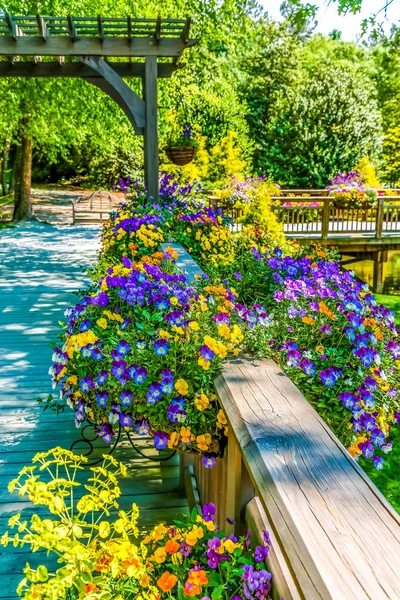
<point>40,269</point>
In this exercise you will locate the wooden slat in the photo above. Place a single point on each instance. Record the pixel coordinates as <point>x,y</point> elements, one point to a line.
<point>323,509</point>
<point>100,27</point>
<point>42,27</point>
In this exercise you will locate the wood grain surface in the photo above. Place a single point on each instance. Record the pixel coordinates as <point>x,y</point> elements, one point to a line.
<point>340,536</point>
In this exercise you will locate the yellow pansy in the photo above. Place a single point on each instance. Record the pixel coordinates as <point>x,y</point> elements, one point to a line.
<point>204,363</point>
<point>102,323</point>
<point>186,435</point>
<point>203,441</point>
<point>182,387</point>
<point>164,334</point>
<point>221,419</point>
<point>72,379</point>
<point>194,325</point>
<point>174,301</point>
<point>202,402</point>
<point>160,555</point>
<point>173,440</point>
<point>224,331</point>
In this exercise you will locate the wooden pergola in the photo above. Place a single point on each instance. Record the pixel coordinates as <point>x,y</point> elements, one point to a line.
<point>83,46</point>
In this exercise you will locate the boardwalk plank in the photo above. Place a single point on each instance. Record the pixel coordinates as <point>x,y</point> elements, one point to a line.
<point>40,268</point>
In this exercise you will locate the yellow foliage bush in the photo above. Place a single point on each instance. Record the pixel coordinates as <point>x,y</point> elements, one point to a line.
<point>368,171</point>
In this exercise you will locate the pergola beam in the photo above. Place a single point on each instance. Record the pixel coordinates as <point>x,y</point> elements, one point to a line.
<point>77,69</point>
<point>91,46</point>
<point>109,81</point>
<point>92,41</point>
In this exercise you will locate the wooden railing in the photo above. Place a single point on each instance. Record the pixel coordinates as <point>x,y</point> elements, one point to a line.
<point>334,535</point>
<point>321,216</point>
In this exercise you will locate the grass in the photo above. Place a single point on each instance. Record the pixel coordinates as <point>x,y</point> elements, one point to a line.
<point>387,480</point>
<point>392,302</point>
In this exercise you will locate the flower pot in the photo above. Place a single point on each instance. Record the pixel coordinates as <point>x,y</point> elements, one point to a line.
<point>181,155</point>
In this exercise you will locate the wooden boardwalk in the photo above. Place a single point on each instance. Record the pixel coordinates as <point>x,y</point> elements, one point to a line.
<point>39,271</point>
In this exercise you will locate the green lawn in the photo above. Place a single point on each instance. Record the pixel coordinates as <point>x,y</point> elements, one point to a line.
<point>392,302</point>
<point>387,480</point>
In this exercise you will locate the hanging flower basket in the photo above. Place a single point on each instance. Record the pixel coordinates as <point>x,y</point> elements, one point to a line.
<point>181,155</point>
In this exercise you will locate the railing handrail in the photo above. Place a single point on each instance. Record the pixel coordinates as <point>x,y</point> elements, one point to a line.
<point>340,536</point>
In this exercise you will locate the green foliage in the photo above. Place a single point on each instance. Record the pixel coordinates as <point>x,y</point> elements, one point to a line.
<point>391,154</point>
<point>319,124</point>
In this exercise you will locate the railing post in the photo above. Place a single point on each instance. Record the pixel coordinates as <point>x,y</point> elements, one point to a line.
<point>379,218</point>
<point>325,218</point>
<point>239,489</point>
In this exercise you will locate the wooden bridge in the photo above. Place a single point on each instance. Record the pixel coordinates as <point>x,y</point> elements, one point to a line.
<point>367,233</point>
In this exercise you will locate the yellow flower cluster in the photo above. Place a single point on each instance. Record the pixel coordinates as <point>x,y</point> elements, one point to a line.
<point>77,533</point>
<point>74,343</point>
<point>216,245</point>
<point>148,235</point>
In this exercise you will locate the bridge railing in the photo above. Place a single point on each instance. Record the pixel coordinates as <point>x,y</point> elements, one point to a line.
<point>322,216</point>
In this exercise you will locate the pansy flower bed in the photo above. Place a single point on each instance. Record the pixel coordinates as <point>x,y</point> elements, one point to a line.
<point>321,325</point>
<point>339,347</point>
<point>142,351</point>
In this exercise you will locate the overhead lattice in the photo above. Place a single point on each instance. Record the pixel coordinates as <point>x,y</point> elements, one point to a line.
<point>96,36</point>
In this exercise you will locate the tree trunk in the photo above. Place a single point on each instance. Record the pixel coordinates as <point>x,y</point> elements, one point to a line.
<point>4,165</point>
<point>23,173</point>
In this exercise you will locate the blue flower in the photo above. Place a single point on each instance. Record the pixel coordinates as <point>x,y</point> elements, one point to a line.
<point>161,347</point>
<point>102,399</point>
<point>154,393</point>
<point>160,440</point>
<point>378,462</point>
<point>84,326</point>
<point>97,354</point>
<point>377,437</point>
<point>125,420</point>
<point>123,347</point>
<point>86,384</point>
<point>86,351</point>
<point>126,397</point>
<point>102,377</point>
<point>118,368</point>
<point>140,375</point>
<point>330,376</point>
<point>348,400</point>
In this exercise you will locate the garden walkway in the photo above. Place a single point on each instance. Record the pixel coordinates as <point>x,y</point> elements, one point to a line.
<point>39,271</point>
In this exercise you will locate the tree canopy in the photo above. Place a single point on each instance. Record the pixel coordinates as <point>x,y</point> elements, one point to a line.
<point>272,97</point>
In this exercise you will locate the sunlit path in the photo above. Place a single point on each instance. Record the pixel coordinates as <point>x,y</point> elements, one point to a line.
<point>40,268</point>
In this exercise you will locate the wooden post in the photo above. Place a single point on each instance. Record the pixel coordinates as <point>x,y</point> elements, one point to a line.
<point>239,490</point>
<point>325,219</point>
<point>380,258</point>
<point>151,127</point>
<point>379,218</point>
